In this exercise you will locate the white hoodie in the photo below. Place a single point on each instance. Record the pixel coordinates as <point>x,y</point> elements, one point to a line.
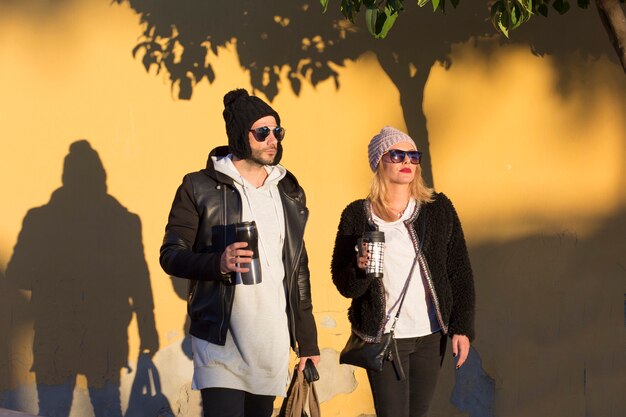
<point>255,357</point>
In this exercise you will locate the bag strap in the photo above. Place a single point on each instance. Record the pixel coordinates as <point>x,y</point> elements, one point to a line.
<point>314,402</point>
<point>297,395</point>
<point>402,296</point>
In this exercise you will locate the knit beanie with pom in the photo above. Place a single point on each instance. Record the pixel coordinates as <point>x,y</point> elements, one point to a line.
<point>241,110</point>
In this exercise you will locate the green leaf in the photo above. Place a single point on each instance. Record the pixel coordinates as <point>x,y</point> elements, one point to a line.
<point>542,9</point>
<point>505,19</point>
<point>583,4</point>
<point>396,5</point>
<point>422,3</point>
<point>519,15</point>
<point>371,15</point>
<point>502,20</point>
<point>497,7</point>
<point>527,5</point>
<point>380,21</point>
<point>324,4</point>
<point>390,19</point>
<point>435,5</point>
<point>454,3</point>
<point>503,29</point>
<point>515,17</point>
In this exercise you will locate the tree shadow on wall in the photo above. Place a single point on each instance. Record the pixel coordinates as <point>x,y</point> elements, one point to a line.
<point>285,43</point>
<point>550,323</point>
<point>81,257</point>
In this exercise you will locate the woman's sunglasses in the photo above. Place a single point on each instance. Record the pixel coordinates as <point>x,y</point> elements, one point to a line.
<point>396,156</point>
<point>261,133</point>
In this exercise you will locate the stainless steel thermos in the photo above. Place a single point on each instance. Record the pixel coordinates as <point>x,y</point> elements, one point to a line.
<point>374,243</point>
<point>247,232</point>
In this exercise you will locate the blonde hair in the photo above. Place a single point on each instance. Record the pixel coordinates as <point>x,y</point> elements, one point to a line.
<point>378,192</point>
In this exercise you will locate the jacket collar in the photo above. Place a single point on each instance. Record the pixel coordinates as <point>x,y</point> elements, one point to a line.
<point>289,184</point>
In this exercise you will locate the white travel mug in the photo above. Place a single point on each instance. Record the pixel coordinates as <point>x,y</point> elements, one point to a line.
<point>374,242</point>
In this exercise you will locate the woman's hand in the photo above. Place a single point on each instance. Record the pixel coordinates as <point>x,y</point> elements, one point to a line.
<point>361,261</point>
<point>234,257</point>
<point>460,348</point>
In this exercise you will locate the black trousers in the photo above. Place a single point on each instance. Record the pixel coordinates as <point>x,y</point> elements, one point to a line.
<point>226,402</point>
<point>421,359</point>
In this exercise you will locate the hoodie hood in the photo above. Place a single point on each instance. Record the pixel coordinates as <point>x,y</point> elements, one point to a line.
<point>288,184</point>
<point>224,165</point>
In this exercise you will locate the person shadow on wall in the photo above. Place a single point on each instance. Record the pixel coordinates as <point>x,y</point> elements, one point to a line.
<point>81,257</point>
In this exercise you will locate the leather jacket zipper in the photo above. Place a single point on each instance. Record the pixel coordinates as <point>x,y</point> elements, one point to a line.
<point>292,320</point>
<point>295,270</point>
<point>223,298</point>
<point>222,291</point>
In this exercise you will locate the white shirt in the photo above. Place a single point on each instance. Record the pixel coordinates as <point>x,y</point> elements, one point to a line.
<point>417,317</point>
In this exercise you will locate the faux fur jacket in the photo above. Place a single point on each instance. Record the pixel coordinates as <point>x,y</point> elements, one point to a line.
<point>443,261</point>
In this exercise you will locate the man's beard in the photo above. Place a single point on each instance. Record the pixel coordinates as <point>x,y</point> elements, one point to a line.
<point>257,157</point>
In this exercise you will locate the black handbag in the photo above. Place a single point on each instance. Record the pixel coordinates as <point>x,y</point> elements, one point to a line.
<point>372,355</point>
<point>368,355</point>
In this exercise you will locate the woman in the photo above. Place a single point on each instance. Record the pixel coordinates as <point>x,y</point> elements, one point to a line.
<point>439,301</point>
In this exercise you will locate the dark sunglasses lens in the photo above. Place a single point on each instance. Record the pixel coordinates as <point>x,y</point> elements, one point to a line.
<point>279,133</point>
<point>396,156</point>
<point>415,157</point>
<point>261,133</point>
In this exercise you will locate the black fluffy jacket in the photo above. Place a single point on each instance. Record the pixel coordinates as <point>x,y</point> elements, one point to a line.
<point>444,264</point>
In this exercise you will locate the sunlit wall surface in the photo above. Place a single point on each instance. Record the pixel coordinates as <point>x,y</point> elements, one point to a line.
<point>530,147</point>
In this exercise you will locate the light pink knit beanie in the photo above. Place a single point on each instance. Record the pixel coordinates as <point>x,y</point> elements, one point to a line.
<point>380,143</point>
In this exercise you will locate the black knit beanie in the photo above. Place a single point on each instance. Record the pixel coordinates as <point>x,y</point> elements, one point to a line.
<point>241,110</point>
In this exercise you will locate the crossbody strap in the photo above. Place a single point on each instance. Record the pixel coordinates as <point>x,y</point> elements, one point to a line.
<point>402,296</point>
<point>408,280</point>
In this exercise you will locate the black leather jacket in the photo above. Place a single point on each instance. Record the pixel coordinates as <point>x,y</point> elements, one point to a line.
<point>200,226</point>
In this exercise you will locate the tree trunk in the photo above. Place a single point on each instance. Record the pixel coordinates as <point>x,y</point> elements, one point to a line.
<point>614,21</point>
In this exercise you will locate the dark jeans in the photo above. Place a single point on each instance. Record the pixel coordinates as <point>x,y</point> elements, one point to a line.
<point>226,402</point>
<point>421,359</point>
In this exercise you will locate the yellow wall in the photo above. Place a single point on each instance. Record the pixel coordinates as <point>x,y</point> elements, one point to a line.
<point>529,163</point>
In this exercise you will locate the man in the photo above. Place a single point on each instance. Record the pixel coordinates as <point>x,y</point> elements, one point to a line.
<point>241,333</point>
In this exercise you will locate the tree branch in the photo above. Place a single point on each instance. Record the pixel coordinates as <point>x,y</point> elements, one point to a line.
<point>614,21</point>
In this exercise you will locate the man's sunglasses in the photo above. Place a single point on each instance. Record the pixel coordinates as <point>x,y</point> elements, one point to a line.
<point>396,156</point>
<point>261,133</point>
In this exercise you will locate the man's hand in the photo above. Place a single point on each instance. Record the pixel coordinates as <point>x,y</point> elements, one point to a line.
<point>460,348</point>
<point>315,359</point>
<point>233,255</point>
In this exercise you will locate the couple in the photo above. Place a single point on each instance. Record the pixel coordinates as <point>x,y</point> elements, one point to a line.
<point>241,333</point>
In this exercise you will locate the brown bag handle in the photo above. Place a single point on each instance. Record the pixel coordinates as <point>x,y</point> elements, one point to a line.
<point>297,396</point>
